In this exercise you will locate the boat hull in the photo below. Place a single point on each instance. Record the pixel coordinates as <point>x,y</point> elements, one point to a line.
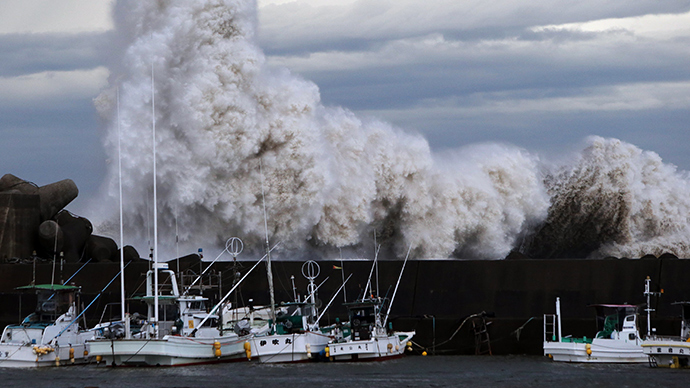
<point>283,348</point>
<point>602,351</point>
<point>378,348</point>
<point>667,353</point>
<point>168,351</point>
<point>24,356</point>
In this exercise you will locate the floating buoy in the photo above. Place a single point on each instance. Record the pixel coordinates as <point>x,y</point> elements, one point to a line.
<point>248,350</point>
<point>424,353</point>
<point>71,355</point>
<point>216,349</point>
<point>86,353</point>
<point>57,360</point>
<point>308,350</point>
<point>588,349</point>
<point>328,352</point>
<point>99,358</point>
<point>390,348</point>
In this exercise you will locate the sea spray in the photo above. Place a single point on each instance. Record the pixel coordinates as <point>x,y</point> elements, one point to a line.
<point>614,200</point>
<point>333,179</point>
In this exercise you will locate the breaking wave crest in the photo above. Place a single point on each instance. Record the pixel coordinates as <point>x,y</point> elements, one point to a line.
<point>614,200</point>
<point>229,127</point>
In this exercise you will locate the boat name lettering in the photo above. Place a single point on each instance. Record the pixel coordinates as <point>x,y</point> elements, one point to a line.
<point>276,342</point>
<point>263,343</point>
<point>288,341</point>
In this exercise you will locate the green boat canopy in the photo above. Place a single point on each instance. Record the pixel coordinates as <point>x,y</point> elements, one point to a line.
<point>49,287</point>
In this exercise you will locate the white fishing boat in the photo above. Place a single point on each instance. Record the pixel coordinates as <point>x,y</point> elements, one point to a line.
<point>671,351</point>
<point>365,337</point>
<point>185,335</point>
<point>616,341</point>
<point>50,336</point>
<point>668,351</point>
<point>294,334</point>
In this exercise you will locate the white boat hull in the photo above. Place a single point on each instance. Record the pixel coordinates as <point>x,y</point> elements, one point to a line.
<point>377,348</point>
<point>602,351</point>
<point>24,356</point>
<point>667,353</point>
<point>168,351</point>
<point>296,347</point>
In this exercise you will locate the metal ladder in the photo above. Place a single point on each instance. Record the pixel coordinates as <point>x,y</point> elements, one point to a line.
<point>550,327</point>
<point>482,342</point>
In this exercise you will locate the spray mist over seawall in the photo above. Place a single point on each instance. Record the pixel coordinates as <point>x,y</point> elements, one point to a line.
<point>330,179</point>
<point>614,200</point>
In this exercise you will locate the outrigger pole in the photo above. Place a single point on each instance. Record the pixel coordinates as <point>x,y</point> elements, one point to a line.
<point>213,310</point>
<point>92,302</point>
<point>332,299</point>
<point>396,286</point>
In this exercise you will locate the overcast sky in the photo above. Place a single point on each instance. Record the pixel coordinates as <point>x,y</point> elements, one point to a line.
<point>540,75</point>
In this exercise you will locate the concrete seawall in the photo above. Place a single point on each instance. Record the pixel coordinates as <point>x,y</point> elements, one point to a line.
<point>435,296</point>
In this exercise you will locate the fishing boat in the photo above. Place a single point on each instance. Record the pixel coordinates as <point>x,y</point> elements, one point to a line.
<point>617,339</point>
<point>294,334</point>
<point>366,336</point>
<point>50,335</point>
<point>671,351</point>
<point>668,351</point>
<point>186,335</point>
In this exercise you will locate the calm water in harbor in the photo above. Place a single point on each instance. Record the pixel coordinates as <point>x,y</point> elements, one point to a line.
<point>438,371</point>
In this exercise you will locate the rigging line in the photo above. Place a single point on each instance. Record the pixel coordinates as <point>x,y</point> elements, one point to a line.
<point>385,320</point>
<point>70,278</point>
<point>215,308</point>
<point>87,307</point>
<point>332,299</point>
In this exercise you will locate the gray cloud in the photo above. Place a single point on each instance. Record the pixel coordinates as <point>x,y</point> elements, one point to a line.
<point>22,54</point>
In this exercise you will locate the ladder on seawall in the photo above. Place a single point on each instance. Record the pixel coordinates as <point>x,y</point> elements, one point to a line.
<point>482,341</point>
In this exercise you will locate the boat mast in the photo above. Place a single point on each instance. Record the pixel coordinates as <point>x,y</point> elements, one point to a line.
<point>155,212</point>
<point>558,315</point>
<point>122,247</point>
<point>268,250</point>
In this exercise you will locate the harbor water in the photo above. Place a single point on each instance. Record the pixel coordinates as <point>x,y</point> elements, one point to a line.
<point>414,371</point>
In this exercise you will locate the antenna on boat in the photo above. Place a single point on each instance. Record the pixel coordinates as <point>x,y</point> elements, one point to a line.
<point>268,250</point>
<point>122,239</point>
<point>233,246</point>
<point>294,289</point>
<point>649,308</point>
<point>155,210</point>
<point>52,279</point>
<point>177,247</point>
<point>342,271</point>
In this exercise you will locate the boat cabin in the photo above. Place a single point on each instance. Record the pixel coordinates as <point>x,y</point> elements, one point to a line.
<point>54,301</point>
<point>614,320</point>
<point>365,316</point>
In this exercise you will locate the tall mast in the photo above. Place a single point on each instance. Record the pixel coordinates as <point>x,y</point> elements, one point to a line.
<point>268,250</point>
<point>155,210</point>
<point>122,247</point>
